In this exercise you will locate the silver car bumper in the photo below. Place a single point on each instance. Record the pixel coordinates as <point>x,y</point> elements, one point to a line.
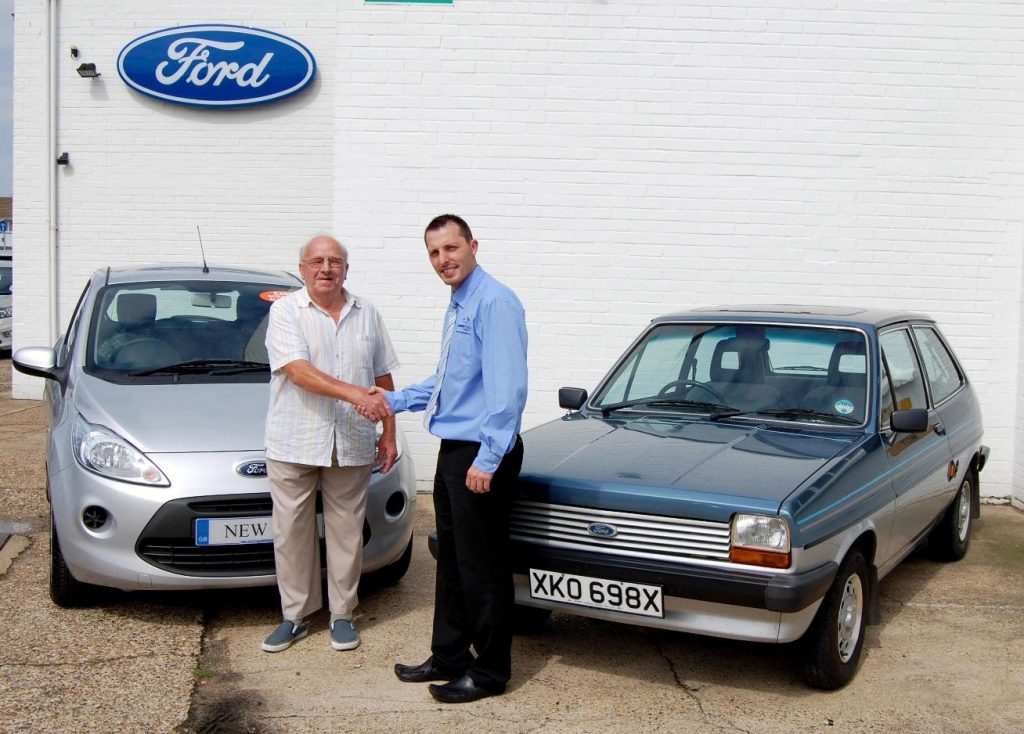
<point>698,617</point>
<point>132,549</point>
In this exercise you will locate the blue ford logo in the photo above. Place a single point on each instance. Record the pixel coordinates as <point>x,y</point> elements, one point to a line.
<point>216,65</point>
<point>252,469</point>
<point>602,530</point>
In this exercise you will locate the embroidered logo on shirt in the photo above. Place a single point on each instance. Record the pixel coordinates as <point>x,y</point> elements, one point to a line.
<point>464,325</point>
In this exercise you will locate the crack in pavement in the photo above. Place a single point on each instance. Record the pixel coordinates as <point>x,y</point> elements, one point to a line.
<point>90,663</point>
<point>692,691</point>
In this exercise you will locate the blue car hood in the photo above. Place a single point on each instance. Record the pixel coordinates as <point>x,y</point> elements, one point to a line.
<point>658,465</point>
<point>179,417</point>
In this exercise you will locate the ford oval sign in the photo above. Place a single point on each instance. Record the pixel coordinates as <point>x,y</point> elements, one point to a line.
<point>216,65</point>
<point>252,469</point>
<point>602,530</point>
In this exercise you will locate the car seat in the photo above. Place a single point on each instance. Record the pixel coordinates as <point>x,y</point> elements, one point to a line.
<point>737,371</point>
<point>844,391</point>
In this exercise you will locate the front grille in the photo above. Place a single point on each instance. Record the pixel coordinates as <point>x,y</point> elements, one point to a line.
<point>640,536</point>
<point>237,507</point>
<point>183,557</point>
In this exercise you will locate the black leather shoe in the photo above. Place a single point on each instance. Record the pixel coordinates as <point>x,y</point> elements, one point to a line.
<point>423,672</point>
<point>462,690</point>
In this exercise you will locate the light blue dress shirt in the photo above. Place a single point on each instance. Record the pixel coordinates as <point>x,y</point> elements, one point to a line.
<point>483,393</point>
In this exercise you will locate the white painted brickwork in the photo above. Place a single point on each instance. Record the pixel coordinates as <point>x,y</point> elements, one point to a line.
<point>616,161</point>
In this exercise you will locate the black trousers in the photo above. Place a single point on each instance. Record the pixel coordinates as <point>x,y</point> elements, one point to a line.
<point>473,596</point>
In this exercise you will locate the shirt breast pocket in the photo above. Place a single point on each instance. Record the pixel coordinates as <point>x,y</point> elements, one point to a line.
<point>360,355</point>
<point>462,355</point>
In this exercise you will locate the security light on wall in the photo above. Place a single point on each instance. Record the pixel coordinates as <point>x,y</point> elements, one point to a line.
<point>87,71</point>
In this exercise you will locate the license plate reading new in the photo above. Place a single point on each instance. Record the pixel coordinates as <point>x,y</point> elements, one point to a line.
<point>233,531</point>
<point>619,596</point>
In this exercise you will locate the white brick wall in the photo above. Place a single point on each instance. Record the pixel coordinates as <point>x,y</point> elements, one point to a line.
<point>616,161</point>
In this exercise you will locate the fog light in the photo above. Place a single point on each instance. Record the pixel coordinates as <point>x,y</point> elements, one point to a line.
<point>395,505</point>
<point>94,518</point>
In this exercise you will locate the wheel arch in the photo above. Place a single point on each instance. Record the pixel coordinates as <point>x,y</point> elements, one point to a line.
<point>867,544</point>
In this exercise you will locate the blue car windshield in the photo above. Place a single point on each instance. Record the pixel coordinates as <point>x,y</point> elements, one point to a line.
<point>180,328</point>
<point>798,373</point>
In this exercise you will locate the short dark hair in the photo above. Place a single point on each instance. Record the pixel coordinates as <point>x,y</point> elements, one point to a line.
<point>443,221</point>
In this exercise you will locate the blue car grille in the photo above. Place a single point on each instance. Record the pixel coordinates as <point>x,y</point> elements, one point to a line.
<point>640,536</point>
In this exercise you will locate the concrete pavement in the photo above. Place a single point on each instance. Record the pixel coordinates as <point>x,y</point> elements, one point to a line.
<point>948,656</point>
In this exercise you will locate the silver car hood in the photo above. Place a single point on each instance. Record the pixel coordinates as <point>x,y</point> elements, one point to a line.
<point>178,418</point>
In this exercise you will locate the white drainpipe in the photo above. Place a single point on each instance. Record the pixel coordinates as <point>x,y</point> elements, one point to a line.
<point>52,165</point>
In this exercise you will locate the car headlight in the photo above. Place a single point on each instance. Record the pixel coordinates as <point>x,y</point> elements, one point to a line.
<point>102,451</point>
<point>6,312</point>
<point>760,540</point>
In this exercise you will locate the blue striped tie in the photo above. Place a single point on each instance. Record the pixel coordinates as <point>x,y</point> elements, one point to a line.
<point>442,363</point>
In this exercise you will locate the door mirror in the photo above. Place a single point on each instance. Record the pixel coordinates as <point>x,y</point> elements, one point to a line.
<point>909,421</point>
<point>36,361</point>
<point>571,398</point>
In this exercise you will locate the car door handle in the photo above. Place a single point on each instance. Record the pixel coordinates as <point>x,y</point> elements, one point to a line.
<point>939,428</point>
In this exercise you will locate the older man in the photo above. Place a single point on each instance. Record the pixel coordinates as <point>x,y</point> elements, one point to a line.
<point>326,347</point>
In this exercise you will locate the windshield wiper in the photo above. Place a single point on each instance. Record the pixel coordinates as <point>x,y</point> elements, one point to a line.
<point>805,413</point>
<point>717,409</point>
<point>205,366</point>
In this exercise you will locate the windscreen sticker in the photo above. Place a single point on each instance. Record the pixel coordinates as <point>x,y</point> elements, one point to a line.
<point>273,295</point>
<point>844,407</point>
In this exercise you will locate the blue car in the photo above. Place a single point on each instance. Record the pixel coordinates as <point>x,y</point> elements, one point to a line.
<point>752,473</point>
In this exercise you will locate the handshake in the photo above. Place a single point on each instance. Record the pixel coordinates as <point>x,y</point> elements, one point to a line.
<point>372,405</point>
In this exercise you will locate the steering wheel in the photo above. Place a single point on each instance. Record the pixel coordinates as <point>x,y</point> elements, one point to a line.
<point>676,384</point>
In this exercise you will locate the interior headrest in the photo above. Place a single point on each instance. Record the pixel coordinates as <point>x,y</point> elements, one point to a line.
<point>136,309</point>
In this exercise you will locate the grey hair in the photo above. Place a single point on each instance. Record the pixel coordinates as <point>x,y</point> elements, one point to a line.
<point>314,238</point>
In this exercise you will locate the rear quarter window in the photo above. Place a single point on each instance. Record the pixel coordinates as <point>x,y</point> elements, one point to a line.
<point>944,378</point>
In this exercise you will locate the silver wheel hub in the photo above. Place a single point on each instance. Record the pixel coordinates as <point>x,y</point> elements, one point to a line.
<point>963,511</point>
<point>851,610</point>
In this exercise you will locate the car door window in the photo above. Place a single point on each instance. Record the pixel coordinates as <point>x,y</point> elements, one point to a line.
<point>944,378</point>
<point>904,372</point>
<point>70,336</point>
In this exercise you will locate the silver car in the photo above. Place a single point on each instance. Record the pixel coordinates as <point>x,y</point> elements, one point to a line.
<point>157,398</point>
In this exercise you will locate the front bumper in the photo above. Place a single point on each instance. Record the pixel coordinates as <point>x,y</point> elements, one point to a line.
<point>736,603</point>
<point>148,540</point>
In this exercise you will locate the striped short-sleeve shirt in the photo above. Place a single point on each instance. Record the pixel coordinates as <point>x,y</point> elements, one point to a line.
<point>306,428</point>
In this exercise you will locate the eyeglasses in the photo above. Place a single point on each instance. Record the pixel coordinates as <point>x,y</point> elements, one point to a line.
<point>318,262</point>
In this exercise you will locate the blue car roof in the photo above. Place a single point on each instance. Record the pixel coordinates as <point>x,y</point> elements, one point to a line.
<point>865,318</point>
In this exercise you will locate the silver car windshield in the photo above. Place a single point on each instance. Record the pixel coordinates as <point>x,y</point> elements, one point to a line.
<point>725,370</point>
<point>176,328</point>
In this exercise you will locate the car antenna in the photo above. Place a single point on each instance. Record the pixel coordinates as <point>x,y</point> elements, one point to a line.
<point>201,251</point>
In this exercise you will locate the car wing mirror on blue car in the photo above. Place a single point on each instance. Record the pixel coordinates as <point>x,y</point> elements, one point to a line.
<point>571,398</point>
<point>909,421</point>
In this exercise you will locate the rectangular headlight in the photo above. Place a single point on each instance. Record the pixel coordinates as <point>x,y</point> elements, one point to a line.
<point>760,540</point>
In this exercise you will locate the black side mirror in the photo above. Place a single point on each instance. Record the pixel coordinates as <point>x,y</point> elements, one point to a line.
<point>909,421</point>
<point>571,398</point>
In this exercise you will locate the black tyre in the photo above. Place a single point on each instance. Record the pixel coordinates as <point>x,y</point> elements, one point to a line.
<point>528,620</point>
<point>950,538</point>
<point>65,590</point>
<point>392,573</point>
<point>832,645</point>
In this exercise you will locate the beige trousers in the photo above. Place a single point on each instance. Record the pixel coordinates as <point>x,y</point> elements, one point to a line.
<point>296,541</point>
